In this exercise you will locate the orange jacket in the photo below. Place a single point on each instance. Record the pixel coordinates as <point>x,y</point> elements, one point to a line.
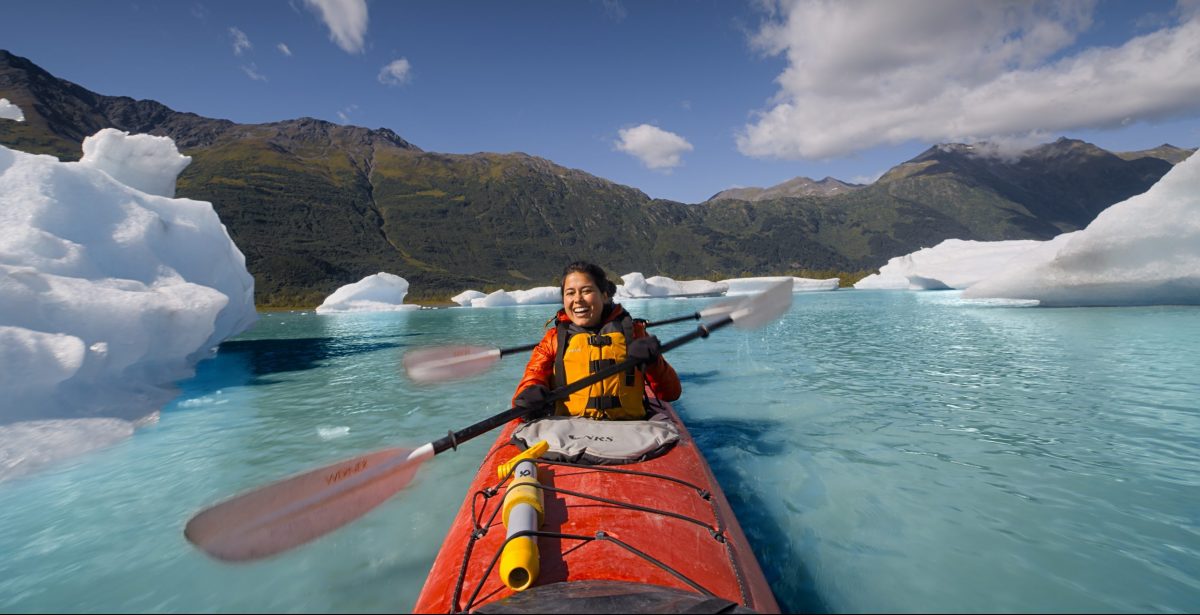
<point>540,370</point>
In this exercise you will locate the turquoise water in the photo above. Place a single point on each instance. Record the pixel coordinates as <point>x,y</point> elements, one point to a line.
<point>885,452</point>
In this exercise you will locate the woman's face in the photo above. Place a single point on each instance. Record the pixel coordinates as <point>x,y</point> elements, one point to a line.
<point>583,300</point>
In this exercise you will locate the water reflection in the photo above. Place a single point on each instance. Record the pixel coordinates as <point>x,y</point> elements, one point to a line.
<point>698,377</point>
<point>271,356</point>
<point>725,442</point>
<point>757,436</point>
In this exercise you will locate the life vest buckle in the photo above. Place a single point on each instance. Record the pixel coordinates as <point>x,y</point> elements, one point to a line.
<point>600,340</point>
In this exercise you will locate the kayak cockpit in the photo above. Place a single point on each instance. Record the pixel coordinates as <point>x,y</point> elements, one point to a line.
<point>591,442</point>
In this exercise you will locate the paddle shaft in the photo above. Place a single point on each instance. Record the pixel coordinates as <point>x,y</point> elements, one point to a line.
<point>454,438</point>
<point>516,349</point>
<point>692,316</point>
<point>701,331</point>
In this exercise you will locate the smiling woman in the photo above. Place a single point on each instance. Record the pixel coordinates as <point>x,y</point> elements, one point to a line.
<point>592,332</point>
<point>586,292</point>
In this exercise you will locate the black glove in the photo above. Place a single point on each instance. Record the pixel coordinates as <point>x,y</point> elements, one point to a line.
<point>536,399</point>
<point>645,349</point>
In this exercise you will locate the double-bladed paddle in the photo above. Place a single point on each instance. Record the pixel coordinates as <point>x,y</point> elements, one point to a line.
<point>443,363</point>
<point>274,518</point>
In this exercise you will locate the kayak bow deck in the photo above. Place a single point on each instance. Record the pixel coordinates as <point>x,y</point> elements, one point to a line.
<point>650,536</point>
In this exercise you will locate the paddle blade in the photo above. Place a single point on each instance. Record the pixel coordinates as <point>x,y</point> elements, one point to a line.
<point>764,307</point>
<point>291,512</point>
<point>722,307</point>
<point>449,362</point>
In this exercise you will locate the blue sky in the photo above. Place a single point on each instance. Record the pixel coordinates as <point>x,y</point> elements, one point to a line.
<point>680,99</point>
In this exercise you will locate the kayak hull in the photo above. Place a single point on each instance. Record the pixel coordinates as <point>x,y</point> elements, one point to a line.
<point>668,526</point>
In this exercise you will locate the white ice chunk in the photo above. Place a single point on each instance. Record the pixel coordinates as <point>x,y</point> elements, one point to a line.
<point>541,295</point>
<point>34,360</point>
<point>382,292</point>
<point>108,295</point>
<point>499,298</point>
<point>800,285</point>
<point>1144,250</point>
<point>884,280</point>
<point>9,111</point>
<point>145,162</point>
<point>752,286</point>
<point>956,264</point>
<point>636,286</point>
<point>464,298</point>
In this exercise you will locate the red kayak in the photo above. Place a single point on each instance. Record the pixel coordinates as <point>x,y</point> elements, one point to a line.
<point>652,535</point>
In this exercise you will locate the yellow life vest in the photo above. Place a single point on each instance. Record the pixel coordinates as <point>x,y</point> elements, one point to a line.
<point>582,353</point>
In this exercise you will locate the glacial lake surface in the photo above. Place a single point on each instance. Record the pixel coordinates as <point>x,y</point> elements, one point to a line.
<point>885,452</point>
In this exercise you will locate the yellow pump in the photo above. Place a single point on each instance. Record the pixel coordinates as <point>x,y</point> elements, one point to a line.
<point>523,510</point>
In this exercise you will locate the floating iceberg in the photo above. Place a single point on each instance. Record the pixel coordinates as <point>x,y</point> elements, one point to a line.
<point>1144,250</point>
<point>802,285</point>
<point>464,298</point>
<point>382,292</point>
<point>108,294</point>
<point>541,295</point>
<point>751,286</point>
<point>957,263</point>
<point>637,286</point>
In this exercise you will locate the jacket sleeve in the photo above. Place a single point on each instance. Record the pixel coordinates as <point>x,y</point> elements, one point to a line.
<point>660,375</point>
<point>540,369</point>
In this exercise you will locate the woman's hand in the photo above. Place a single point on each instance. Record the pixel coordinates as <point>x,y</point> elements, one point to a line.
<point>536,399</point>
<point>645,349</point>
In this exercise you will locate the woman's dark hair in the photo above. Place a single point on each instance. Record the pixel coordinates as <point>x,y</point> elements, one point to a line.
<point>594,272</point>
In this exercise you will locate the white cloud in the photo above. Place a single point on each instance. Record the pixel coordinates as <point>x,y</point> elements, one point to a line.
<point>252,72</point>
<point>397,72</point>
<point>344,114</point>
<point>655,147</point>
<point>241,42</point>
<point>283,48</point>
<point>1010,148</point>
<point>614,10</point>
<point>346,19</point>
<point>867,180</point>
<point>866,74</point>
